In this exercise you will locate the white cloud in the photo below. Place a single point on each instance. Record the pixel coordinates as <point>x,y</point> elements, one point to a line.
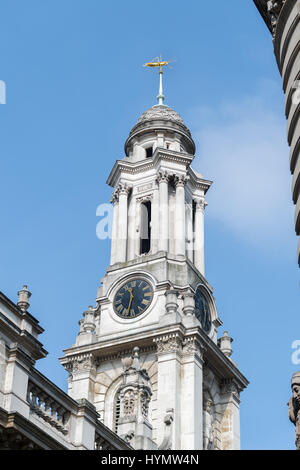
<point>242,148</point>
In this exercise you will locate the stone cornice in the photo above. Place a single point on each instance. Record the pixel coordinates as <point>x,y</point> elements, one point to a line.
<point>289,97</point>
<point>22,337</point>
<point>16,422</point>
<point>199,182</point>
<point>124,352</point>
<point>292,58</point>
<point>212,354</point>
<point>280,57</point>
<point>294,156</point>
<point>131,168</point>
<point>17,354</point>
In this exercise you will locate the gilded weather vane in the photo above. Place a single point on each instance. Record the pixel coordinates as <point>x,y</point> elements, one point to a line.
<point>158,62</point>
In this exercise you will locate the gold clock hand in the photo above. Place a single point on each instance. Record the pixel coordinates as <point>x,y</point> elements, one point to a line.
<point>130,301</point>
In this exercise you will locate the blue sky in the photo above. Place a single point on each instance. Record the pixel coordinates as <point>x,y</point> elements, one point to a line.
<point>75,87</point>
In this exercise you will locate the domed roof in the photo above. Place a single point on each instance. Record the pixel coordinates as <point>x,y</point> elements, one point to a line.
<point>161,117</point>
<point>161,112</point>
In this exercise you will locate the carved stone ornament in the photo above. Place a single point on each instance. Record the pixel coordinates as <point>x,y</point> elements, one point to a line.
<point>230,386</point>
<point>123,189</point>
<point>208,426</point>
<point>159,112</point>
<point>181,180</point>
<point>167,440</point>
<point>129,399</point>
<point>115,197</point>
<point>135,393</point>
<point>200,204</point>
<point>148,197</point>
<point>274,8</point>
<point>80,364</point>
<point>191,346</point>
<point>163,177</point>
<point>168,344</point>
<point>294,407</point>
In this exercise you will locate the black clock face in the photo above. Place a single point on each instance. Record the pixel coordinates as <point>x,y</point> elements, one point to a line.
<point>133,298</point>
<point>202,310</point>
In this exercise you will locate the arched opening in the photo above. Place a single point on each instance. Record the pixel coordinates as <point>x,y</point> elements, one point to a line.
<point>145,240</point>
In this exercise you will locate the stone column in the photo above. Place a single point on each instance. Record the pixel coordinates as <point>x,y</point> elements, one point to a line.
<point>180,182</point>
<point>114,234</point>
<point>155,222</point>
<point>168,384</point>
<point>191,391</point>
<point>199,235</point>
<point>123,222</point>
<point>189,232</point>
<point>132,233</point>
<point>137,240</point>
<point>163,180</point>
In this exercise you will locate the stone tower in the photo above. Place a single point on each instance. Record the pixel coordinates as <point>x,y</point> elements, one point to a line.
<point>148,355</point>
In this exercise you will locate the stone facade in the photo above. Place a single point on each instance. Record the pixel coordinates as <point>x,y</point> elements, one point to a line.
<point>283,19</point>
<point>34,413</point>
<point>151,372</point>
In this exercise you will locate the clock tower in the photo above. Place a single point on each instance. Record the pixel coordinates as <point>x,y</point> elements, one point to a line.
<point>148,354</point>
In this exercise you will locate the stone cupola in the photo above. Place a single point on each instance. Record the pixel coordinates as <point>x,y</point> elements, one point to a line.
<point>159,126</point>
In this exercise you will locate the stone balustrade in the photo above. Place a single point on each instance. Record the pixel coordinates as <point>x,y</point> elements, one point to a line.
<point>48,408</point>
<point>61,412</point>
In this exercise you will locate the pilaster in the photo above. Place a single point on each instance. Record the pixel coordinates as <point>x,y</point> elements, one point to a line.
<point>169,348</point>
<point>191,392</point>
<point>16,381</point>
<point>82,374</point>
<point>230,422</point>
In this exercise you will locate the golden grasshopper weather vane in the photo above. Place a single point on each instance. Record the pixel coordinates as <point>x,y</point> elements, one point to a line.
<point>158,62</point>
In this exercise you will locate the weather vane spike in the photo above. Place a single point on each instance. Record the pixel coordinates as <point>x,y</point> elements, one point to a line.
<point>158,62</point>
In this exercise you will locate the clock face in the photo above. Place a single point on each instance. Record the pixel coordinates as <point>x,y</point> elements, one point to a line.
<point>133,298</point>
<point>202,310</point>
